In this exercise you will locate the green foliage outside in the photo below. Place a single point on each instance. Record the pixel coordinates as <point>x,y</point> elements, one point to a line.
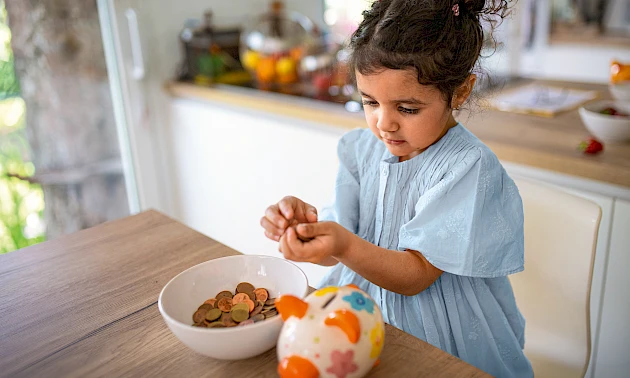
<point>21,202</point>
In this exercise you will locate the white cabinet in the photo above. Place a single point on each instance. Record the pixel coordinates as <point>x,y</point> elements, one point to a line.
<point>230,165</point>
<point>612,359</point>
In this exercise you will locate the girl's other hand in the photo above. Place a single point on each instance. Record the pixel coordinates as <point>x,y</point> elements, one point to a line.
<point>317,243</point>
<point>290,211</point>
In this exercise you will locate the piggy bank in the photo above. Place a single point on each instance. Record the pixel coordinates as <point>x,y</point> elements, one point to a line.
<point>335,332</point>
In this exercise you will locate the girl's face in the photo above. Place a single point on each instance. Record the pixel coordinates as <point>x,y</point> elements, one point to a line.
<point>406,116</point>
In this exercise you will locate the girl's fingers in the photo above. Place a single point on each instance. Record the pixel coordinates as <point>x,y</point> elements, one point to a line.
<point>287,207</point>
<point>311,215</point>
<point>305,212</point>
<point>308,213</point>
<point>284,247</point>
<point>273,215</point>
<point>301,250</point>
<point>295,246</point>
<point>270,227</point>
<point>312,230</point>
<point>272,236</point>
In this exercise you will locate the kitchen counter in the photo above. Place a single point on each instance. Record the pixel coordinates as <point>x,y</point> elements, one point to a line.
<point>546,143</point>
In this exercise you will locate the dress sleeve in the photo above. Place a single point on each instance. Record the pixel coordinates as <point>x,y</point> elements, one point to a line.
<point>344,208</point>
<point>471,222</point>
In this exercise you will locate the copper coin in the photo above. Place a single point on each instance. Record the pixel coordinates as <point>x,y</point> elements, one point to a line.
<point>258,318</point>
<point>202,325</point>
<point>199,316</point>
<point>216,325</point>
<point>261,294</point>
<point>206,307</point>
<point>240,297</point>
<point>224,304</point>
<point>251,295</point>
<point>224,316</point>
<point>251,305</point>
<point>270,302</point>
<point>244,287</point>
<point>228,321</point>
<point>224,294</point>
<point>270,314</point>
<point>210,302</point>
<point>256,311</point>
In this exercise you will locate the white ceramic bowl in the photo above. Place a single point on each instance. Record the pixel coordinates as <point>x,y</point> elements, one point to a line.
<point>187,291</point>
<point>607,128</point>
<point>620,91</point>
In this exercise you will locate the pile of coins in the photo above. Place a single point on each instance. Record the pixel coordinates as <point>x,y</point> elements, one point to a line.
<point>247,305</point>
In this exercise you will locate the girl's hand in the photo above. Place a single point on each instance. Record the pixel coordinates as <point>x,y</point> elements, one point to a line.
<point>325,240</point>
<point>290,211</point>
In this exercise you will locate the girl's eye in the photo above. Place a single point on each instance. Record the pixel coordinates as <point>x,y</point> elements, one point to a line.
<point>407,110</point>
<point>369,103</point>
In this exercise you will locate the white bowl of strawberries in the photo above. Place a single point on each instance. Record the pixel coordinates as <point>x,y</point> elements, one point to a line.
<point>608,121</point>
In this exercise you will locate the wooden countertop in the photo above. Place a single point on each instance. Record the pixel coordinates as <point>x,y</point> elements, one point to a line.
<point>547,143</point>
<point>86,305</point>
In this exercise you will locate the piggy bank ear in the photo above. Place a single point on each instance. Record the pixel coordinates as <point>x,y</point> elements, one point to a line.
<point>297,367</point>
<point>288,305</point>
<point>347,322</point>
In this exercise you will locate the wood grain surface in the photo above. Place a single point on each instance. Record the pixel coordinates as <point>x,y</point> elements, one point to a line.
<point>86,305</point>
<point>546,143</point>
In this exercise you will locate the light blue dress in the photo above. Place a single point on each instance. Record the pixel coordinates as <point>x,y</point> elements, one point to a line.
<point>456,205</point>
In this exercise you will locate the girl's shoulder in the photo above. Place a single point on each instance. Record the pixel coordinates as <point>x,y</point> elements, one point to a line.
<point>465,149</point>
<point>477,161</point>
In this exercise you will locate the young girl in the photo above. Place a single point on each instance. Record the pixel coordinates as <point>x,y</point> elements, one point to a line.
<point>425,218</point>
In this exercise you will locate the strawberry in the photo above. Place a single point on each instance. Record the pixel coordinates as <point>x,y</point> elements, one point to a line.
<point>591,146</point>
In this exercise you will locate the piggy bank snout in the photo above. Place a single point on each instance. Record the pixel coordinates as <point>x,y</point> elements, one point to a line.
<point>288,305</point>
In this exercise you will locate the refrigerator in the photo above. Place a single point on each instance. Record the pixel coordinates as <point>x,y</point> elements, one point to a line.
<point>142,50</point>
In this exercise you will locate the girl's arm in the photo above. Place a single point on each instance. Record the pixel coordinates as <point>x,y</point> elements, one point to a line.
<point>406,273</point>
<point>329,261</point>
<point>403,272</point>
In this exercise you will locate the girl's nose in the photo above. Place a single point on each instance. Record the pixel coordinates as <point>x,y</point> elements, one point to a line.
<point>386,122</point>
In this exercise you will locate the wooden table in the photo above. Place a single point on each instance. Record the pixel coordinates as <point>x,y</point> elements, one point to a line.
<point>86,305</point>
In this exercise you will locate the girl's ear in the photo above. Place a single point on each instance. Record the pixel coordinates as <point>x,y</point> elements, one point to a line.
<point>463,92</point>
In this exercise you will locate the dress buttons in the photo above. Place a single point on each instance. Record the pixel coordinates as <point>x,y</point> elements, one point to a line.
<point>385,172</point>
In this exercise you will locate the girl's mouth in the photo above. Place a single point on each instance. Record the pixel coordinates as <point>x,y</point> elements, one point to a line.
<point>393,142</point>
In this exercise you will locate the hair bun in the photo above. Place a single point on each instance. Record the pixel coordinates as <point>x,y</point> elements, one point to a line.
<point>500,8</point>
<point>476,6</point>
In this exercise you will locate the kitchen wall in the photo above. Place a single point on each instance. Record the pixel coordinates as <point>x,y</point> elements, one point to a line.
<point>588,62</point>
<point>572,62</point>
<point>234,11</point>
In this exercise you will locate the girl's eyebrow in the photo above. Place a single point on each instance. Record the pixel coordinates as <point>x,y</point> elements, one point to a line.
<point>365,94</point>
<point>410,100</point>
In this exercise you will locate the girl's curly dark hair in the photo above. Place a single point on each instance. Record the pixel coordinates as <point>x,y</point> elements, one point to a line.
<point>442,45</point>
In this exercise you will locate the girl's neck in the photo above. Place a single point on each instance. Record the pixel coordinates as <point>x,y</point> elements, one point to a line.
<point>449,125</point>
